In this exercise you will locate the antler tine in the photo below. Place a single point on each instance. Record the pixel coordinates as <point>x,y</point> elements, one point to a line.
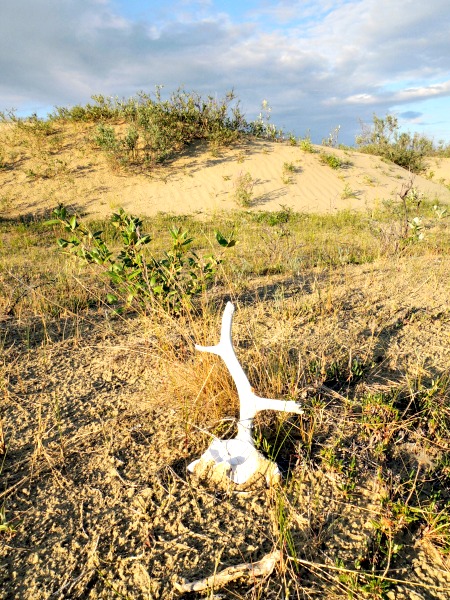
<point>225,350</point>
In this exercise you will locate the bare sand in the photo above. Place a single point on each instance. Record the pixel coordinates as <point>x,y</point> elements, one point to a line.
<point>202,183</point>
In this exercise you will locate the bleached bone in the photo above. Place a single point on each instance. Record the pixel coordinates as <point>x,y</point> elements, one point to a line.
<point>237,458</point>
<point>249,402</point>
<point>263,567</point>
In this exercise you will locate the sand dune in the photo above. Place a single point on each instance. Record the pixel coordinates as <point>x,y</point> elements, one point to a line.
<point>202,183</point>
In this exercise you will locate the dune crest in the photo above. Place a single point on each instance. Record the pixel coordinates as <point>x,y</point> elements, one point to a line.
<point>70,171</point>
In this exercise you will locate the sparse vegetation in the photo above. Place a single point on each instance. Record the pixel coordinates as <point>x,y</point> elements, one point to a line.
<point>348,192</point>
<point>262,127</point>
<point>369,180</point>
<point>306,145</point>
<point>332,141</point>
<point>144,131</point>
<point>7,528</point>
<point>288,172</point>
<point>440,211</point>
<point>243,189</point>
<point>104,401</point>
<point>334,161</point>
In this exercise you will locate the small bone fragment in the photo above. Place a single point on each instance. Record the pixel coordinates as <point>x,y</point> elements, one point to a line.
<point>265,566</point>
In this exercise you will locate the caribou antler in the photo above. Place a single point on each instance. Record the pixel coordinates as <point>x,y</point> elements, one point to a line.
<point>249,402</point>
<point>237,458</point>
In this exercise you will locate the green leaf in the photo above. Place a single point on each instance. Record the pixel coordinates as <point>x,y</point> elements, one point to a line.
<point>133,275</point>
<point>60,212</point>
<point>223,241</point>
<point>145,239</point>
<point>52,222</point>
<point>111,299</point>
<point>175,232</point>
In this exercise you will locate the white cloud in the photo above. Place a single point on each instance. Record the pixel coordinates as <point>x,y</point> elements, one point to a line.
<point>424,92</point>
<point>318,63</point>
<point>360,99</point>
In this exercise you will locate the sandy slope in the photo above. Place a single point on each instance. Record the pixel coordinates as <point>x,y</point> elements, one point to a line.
<point>103,500</point>
<point>202,183</point>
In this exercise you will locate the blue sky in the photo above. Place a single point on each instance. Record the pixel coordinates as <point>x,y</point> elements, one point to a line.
<point>318,63</point>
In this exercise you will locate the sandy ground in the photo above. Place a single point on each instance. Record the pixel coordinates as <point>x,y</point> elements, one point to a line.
<point>200,183</point>
<point>95,471</point>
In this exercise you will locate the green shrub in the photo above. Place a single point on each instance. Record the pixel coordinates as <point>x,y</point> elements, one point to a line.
<point>171,281</point>
<point>34,126</point>
<point>243,189</point>
<point>120,150</point>
<point>105,108</point>
<point>157,128</point>
<point>306,145</point>
<point>106,138</point>
<point>404,149</point>
<point>334,161</point>
<point>288,172</point>
<point>348,192</point>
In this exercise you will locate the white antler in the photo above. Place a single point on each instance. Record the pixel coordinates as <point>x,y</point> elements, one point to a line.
<point>249,402</point>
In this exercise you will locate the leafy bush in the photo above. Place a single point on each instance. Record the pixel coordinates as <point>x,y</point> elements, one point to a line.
<point>334,161</point>
<point>306,145</point>
<point>104,109</point>
<point>158,129</point>
<point>121,151</point>
<point>404,149</point>
<point>171,281</point>
<point>262,128</point>
<point>243,189</point>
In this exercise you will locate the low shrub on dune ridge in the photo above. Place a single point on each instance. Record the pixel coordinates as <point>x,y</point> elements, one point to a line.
<point>157,129</point>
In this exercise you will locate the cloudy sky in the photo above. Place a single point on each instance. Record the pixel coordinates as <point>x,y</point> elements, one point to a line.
<point>318,63</point>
